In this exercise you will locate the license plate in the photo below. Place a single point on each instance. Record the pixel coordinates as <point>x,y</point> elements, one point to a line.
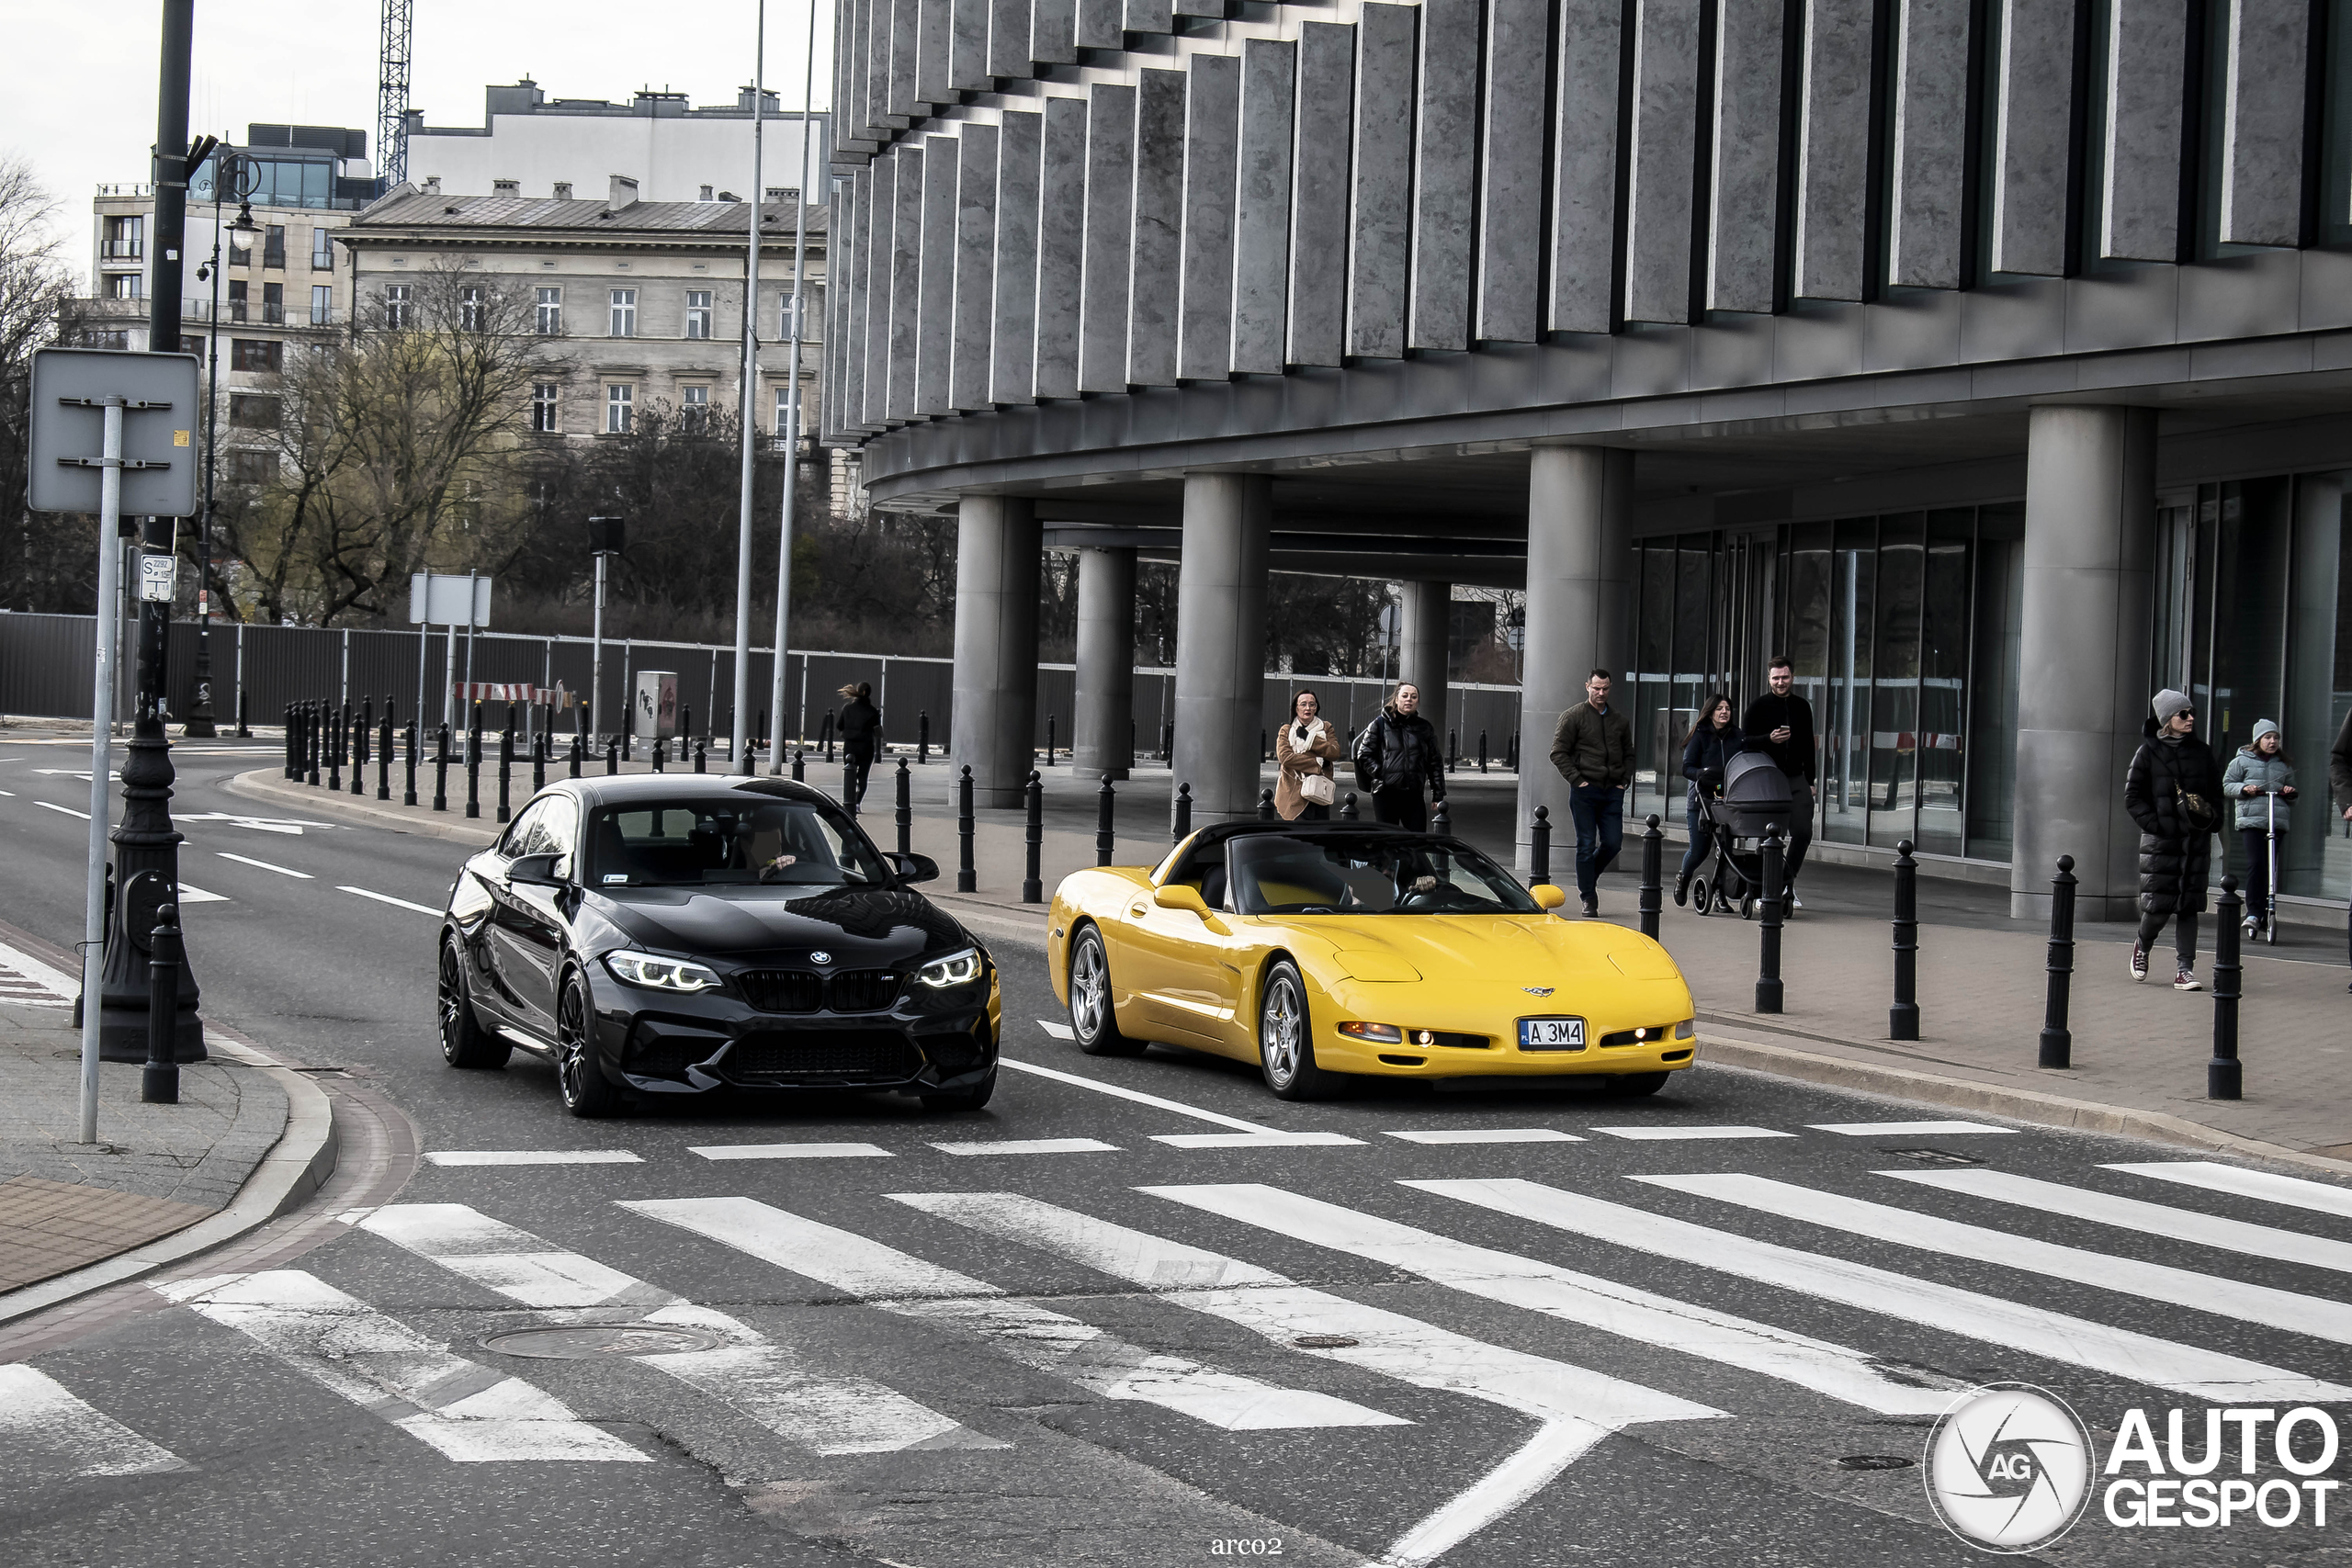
<point>1551,1034</point>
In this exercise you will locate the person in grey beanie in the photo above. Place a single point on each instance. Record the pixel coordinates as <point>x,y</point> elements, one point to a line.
<point>2259,769</point>
<point>2173,792</point>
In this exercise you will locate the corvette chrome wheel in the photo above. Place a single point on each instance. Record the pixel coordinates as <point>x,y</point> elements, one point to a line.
<point>1092,1021</point>
<point>1285,1043</point>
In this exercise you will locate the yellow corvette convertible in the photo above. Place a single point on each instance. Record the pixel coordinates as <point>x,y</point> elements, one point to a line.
<point>1317,950</point>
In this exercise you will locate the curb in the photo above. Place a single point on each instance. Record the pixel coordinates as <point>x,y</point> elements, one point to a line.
<point>2016,1104</point>
<point>264,784</point>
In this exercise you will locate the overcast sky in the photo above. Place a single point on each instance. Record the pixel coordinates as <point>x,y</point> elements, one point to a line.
<point>77,78</point>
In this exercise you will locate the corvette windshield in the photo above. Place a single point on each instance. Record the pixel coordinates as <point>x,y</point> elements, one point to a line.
<point>1337,873</point>
<point>733,839</point>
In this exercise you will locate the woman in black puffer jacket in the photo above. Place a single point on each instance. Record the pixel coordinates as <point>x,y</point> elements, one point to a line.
<point>2173,793</point>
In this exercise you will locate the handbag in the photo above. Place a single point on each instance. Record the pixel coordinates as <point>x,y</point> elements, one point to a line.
<point>2195,809</point>
<point>1317,789</point>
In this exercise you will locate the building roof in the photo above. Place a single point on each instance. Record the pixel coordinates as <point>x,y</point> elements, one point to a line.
<point>409,215</point>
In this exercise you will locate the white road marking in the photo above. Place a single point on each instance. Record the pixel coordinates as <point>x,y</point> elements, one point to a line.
<point>1059,1031</point>
<point>1904,1129</point>
<point>1577,1406</point>
<point>1581,1299</point>
<point>1099,1086</point>
<point>53,805</point>
<point>464,1410</point>
<point>265,865</point>
<point>387,899</point>
<point>49,1435</point>
<point>1030,1146</point>
<point>1484,1135</point>
<point>766,1381</point>
<point>291,825</point>
<point>1254,1140</point>
<point>2131,1214</point>
<point>789,1151</point>
<point>2188,1369</point>
<point>189,894</point>
<point>55,981</point>
<point>9,792</point>
<point>1674,1134</point>
<point>531,1156</point>
<point>2264,1304</point>
<point>2239,1182</point>
<point>911,1287</point>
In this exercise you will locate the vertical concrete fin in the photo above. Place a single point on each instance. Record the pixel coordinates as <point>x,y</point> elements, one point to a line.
<point>874,310</point>
<point>976,221</point>
<point>848,264</point>
<point>1833,151</point>
<point>968,47</point>
<point>1053,31</point>
<point>1008,37</point>
<point>1154,270</point>
<point>1323,132</point>
<point>2139,199</point>
<point>2033,68</point>
<point>1262,204</point>
<point>1013,343</point>
<point>1744,193</point>
<point>1146,16</point>
<point>2262,123</point>
<point>1099,24</point>
<point>1445,173</point>
<point>1380,194</point>
<point>906,33</point>
<point>935,291</point>
<point>1929,146</point>
<point>934,45</point>
<point>1067,153</point>
<point>1212,132</point>
<point>1585,166</point>
<point>1510,177</point>
<point>1659,161</point>
<point>1109,237</point>
<point>906,282</point>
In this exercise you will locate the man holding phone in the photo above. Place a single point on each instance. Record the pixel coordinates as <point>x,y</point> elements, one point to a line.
<point>1780,724</point>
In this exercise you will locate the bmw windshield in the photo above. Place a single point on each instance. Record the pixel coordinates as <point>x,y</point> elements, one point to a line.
<point>731,839</point>
<point>1382,873</point>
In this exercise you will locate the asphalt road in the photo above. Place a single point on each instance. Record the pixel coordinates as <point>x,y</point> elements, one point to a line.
<point>1711,1327</point>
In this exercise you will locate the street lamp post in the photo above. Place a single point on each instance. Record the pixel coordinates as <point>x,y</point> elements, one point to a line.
<point>792,415</point>
<point>231,181</point>
<point>740,741</point>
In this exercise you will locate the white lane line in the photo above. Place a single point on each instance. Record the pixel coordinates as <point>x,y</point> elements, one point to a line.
<point>2239,1182</point>
<point>1904,1129</point>
<point>2131,1214</point>
<point>1030,1146</point>
<point>1675,1135</point>
<point>789,1151</point>
<point>2189,1369</point>
<point>49,1435</point>
<point>1065,1346</point>
<point>465,1411</point>
<point>1099,1086</point>
<point>1484,1135</point>
<point>1059,1031</point>
<point>1268,1140</point>
<point>387,899</point>
<point>1581,1299</point>
<point>766,1381</point>
<point>2264,1304</point>
<point>265,865</point>
<point>1577,1406</point>
<point>55,981</point>
<point>531,1156</point>
<point>193,894</point>
<point>53,805</point>
<point>9,792</point>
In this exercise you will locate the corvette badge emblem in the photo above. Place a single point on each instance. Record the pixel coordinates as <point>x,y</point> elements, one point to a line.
<point>1537,990</point>
<point>821,957</point>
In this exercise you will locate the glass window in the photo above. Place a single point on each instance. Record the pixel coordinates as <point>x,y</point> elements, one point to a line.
<point>396,305</point>
<point>273,304</point>
<point>543,407</point>
<point>624,318</point>
<point>527,835</point>
<point>321,304</point>
<point>249,467</point>
<point>1999,611</point>
<point>550,311</point>
<point>322,250</point>
<point>782,412</point>
<point>1894,685</point>
<point>697,312</point>
<point>1943,681</point>
<point>784,314</point>
<point>694,409</point>
<point>620,408</point>
<point>1648,682</point>
<point>124,286</point>
<point>1844,725</point>
<point>1372,875</point>
<point>472,312</point>
<point>739,839</point>
<point>2315,859</point>
<point>252,410</point>
<point>273,251</point>
<point>254,354</point>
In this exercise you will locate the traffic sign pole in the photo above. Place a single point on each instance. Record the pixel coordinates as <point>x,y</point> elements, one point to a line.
<point>93,900</point>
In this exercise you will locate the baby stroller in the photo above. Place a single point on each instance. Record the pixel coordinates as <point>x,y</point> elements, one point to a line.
<point>1755,797</point>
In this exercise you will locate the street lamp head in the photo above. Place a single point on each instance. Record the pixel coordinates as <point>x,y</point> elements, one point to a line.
<point>245,224</point>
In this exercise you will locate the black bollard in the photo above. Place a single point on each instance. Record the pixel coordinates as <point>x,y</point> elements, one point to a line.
<point>2057,1040</point>
<point>968,880</point>
<point>1348,807</point>
<point>1180,814</point>
<point>1903,1018</point>
<point>291,732</point>
<point>1032,884</point>
<point>661,755</point>
<point>159,1081</point>
<point>1539,849</point>
<point>541,744</point>
<point>384,756</point>
<point>244,730</point>
<point>359,748</point>
<point>1168,740</point>
<point>1266,812</point>
<point>702,757</point>
<point>408,786</point>
<point>922,737</point>
<point>335,721</point>
<point>2224,1079</point>
<point>313,741</point>
<point>799,764</point>
<point>825,733</point>
<point>505,766</point>
<point>1767,969</point>
<point>612,756</point>
<point>1051,719</point>
<point>1106,806</point>
<point>628,734</point>
<point>1653,860</point>
<point>578,752</point>
<point>906,810</point>
<point>441,770</point>
<point>1453,751</point>
<point>1481,751</point>
<point>1440,819</point>
<point>473,768</point>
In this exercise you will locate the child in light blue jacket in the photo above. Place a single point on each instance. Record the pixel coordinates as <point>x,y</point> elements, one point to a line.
<point>2259,769</point>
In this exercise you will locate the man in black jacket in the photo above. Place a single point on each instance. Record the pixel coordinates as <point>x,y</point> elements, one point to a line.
<point>1780,724</point>
<point>1397,756</point>
<point>861,727</point>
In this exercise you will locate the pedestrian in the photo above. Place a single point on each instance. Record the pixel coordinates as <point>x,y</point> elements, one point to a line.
<point>1305,749</point>
<point>2173,793</point>
<point>861,730</point>
<point>2259,769</point>
<point>1707,752</point>
<point>1398,757</point>
<point>1780,724</point>
<point>1593,748</point>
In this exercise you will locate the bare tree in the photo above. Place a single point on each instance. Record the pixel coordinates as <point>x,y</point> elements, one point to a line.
<point>52,564</point>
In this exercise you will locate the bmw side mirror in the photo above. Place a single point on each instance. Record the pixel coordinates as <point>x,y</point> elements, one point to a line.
<point>534,871</point>
<point>917,868</point>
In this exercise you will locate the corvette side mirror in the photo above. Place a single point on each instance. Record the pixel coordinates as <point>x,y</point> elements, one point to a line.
<point>1546,895</point>
<point>1180,896</point>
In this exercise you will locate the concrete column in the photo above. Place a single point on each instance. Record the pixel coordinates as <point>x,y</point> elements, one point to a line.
<point>2083,688</point>
<point>1580,584</point>
<point>1221,640</point>
<point>1102,742</point>
<point>995,646</point>
<point>1423,636</point>
<point>2311,675</point>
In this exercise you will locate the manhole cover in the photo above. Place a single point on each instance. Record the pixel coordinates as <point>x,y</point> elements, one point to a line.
<point>1875,1461</point>
<point>1324,1342</point>
<point>599,1339</point>
<point>1934,1157</point>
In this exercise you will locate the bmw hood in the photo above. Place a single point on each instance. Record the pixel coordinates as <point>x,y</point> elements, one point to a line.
<point>855,925</point>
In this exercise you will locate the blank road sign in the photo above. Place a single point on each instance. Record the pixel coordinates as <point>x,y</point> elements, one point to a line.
<point>161,435</point>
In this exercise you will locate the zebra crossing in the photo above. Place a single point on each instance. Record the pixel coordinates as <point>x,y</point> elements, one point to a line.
<point>1561,1328</point>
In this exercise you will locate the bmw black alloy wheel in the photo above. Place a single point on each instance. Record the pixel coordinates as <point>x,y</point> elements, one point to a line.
<point>587,1091</point>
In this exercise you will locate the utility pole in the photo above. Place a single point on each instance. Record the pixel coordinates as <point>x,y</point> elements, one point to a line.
<point>740,754</point>
<point>792,418</point>
<point>146,846</point>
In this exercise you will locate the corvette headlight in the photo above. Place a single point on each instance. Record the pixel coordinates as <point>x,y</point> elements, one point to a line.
<point>955,969</point>
<point>660,973</point>
<point>1385,1033</point>
<point>1686,1028</point>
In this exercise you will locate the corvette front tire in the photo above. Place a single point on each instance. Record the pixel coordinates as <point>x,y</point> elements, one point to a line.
<point>1092,1023</point>
<point>1287,1038</point>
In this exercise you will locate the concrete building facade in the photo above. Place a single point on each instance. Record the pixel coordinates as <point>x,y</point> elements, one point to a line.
<point>1992,360</point>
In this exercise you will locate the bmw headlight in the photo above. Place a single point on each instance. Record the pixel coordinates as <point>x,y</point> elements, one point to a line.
<point>660,973</point>
<point>960,968</point>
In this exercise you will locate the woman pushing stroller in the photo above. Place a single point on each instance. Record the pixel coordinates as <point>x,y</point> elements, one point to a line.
<point>1715,739</point>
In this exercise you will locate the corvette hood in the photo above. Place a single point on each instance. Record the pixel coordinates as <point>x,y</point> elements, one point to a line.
<point>856,925</point>
<point>1496,947</point>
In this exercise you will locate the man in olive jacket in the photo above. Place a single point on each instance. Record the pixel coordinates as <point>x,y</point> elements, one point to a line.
<point>1593,749</point>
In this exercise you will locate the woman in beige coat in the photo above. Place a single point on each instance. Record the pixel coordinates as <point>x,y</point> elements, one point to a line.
<point>1303,745</point>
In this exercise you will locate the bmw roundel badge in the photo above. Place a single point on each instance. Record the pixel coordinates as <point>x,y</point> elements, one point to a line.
<point>821,957</point>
